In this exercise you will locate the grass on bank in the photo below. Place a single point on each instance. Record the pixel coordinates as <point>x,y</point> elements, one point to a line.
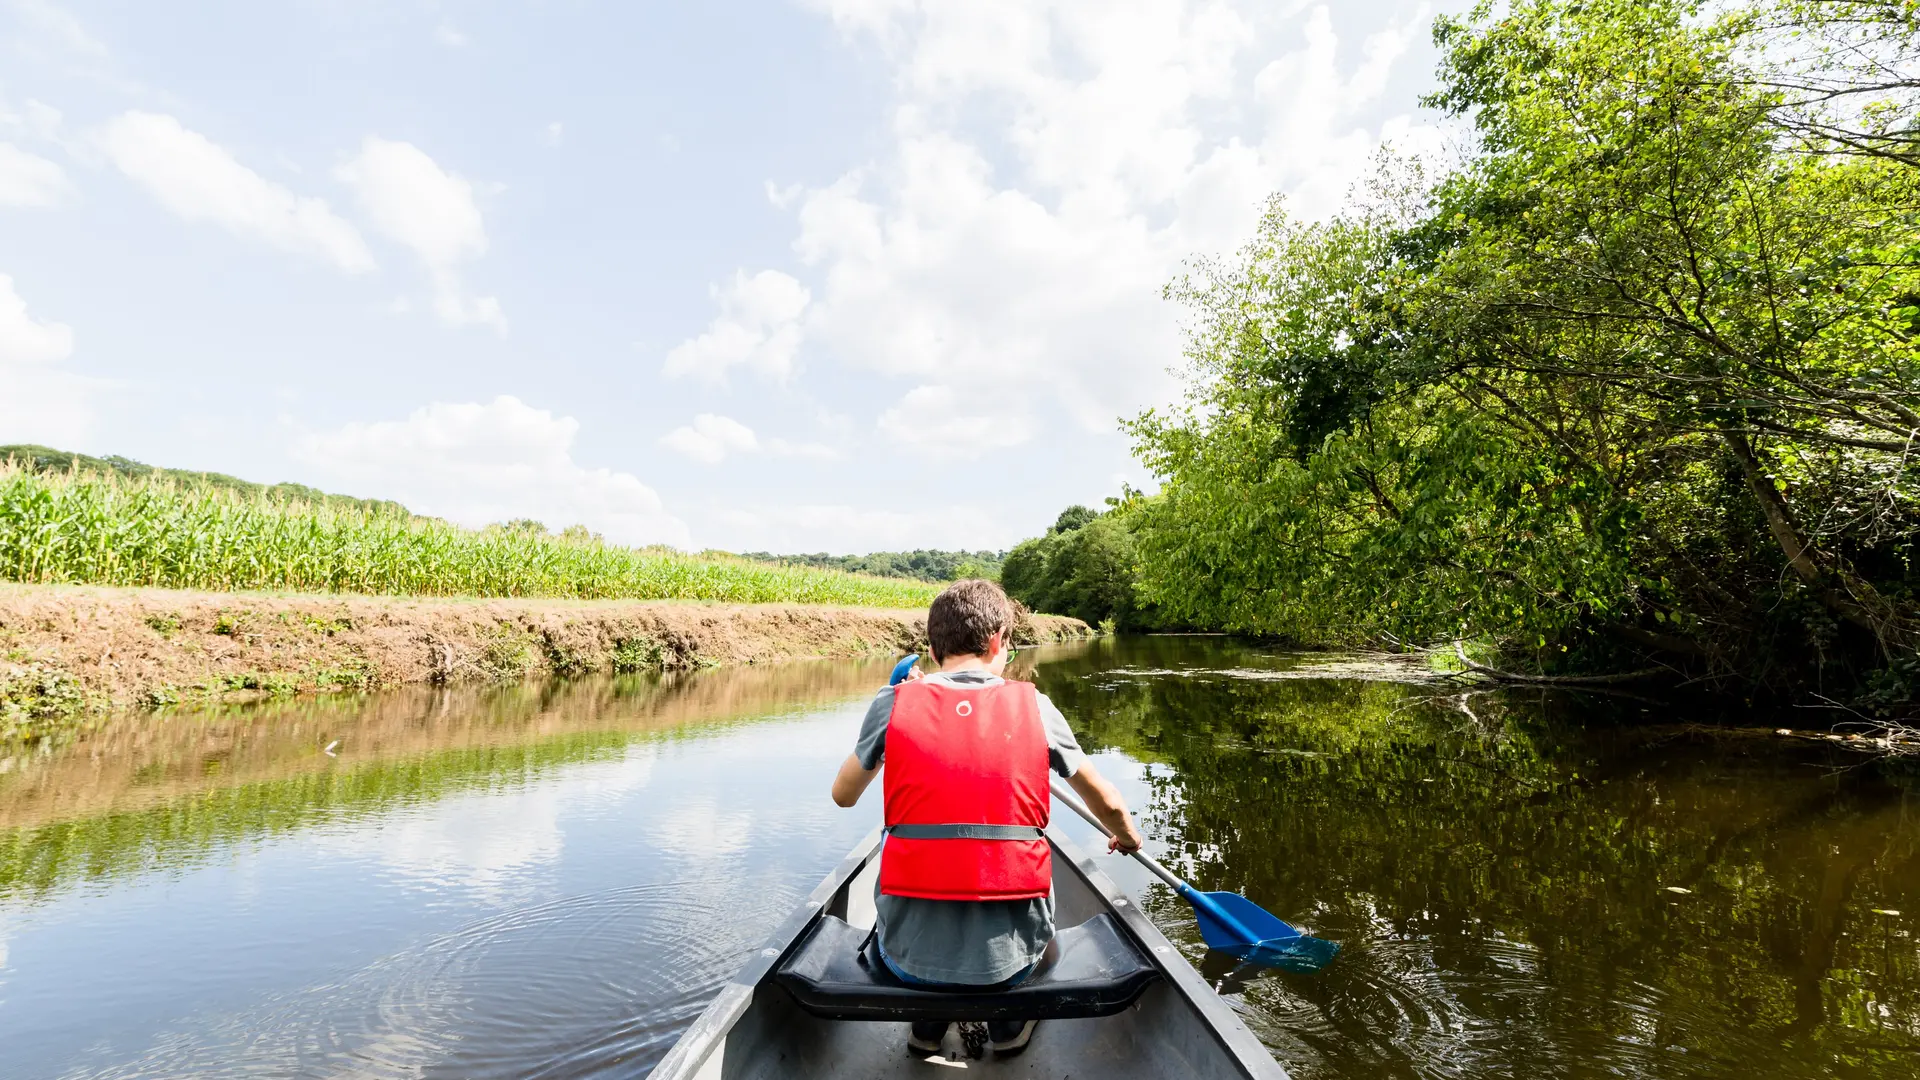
<point>91,528</point>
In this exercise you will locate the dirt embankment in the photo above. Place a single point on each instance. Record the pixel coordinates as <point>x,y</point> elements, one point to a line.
<point>65,650</point>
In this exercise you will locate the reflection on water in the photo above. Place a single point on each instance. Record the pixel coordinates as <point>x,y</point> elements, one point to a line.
<point>551,880</point>
<point>137,792</point>
<point>1518,896</point>
<point>541,880</point>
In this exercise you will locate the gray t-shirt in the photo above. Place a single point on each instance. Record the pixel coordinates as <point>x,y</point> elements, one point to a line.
<point>965,941</point>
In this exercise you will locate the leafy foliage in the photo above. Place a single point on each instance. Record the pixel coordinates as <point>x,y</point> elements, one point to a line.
<point>1085,566</point>
<point>1635,383</point>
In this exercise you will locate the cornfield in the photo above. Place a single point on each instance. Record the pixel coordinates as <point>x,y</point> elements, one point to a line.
<point>94,529</point>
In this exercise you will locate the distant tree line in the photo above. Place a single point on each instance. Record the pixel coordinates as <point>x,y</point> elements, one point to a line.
<point>1086,566</point>
<point>922,565</point>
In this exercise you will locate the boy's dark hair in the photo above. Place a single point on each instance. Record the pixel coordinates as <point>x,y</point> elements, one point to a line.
<point>965,615</point>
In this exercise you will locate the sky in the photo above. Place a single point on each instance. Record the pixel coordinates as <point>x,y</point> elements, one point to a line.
<point>783,275</point>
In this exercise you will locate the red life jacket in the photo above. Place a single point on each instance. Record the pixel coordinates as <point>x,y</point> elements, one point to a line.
<point>966,793</point>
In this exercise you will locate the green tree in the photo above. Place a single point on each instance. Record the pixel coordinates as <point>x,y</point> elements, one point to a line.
<point>1073,517</point>
<point>1085,566</point>
<point>1634,384</point>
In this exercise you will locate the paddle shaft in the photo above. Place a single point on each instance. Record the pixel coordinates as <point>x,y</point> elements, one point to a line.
<point>1066,796</point>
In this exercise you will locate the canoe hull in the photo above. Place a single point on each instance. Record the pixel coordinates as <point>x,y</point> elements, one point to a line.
<point>1179,1027</point>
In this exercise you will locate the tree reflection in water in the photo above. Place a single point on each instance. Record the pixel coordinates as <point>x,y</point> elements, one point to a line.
<point>1521,890</point>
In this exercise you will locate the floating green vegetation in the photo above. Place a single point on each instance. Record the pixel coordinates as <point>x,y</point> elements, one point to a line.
<point>100,529</point>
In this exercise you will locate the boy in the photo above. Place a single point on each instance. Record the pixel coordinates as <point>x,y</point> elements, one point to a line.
<point>965,892</point>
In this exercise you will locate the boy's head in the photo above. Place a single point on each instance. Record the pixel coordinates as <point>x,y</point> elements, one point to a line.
<point>964,616</point>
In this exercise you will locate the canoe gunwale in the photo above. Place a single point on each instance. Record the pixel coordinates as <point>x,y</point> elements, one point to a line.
<point>710,1028</point>
<point>1233,1034</point>
<point>709,1031</point>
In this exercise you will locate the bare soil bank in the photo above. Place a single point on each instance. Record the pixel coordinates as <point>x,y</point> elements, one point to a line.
<point>68,649</point>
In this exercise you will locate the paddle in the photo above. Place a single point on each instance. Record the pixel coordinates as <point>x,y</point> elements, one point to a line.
<point>1228,921</point>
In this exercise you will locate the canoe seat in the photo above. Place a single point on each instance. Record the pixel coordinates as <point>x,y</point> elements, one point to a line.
<point>1093,969</point>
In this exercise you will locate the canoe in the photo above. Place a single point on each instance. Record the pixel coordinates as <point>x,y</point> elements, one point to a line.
<point>1121,1001</point>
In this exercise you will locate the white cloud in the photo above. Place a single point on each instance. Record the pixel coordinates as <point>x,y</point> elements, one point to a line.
<point>30,180</point>
<point>477,464</point>
<point>710,438</point>
<point>40,402</point>
<point>939,418</point>
<point>497,845</point>
<point>1050,165</point>
<point>38,120</point>
<point>59,25</point>
<point>24,339</point>
<point>411,200</point>
<point>48,405</point>
<point>813,450</point>
<point>556,131</point>
<point>449,35</point>
<point>1294,90</point>
<point>200,181</point>
<point>758,327</point>
<point>701,829</point>
<point>489,844</point>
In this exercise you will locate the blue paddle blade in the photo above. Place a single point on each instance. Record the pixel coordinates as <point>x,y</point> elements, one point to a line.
<point>1303,953</point>
<point>1233,924</point>
<point>902,669</point>
<point>1217,913</point>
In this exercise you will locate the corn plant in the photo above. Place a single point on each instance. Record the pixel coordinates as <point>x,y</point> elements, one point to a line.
<point>95,529</point>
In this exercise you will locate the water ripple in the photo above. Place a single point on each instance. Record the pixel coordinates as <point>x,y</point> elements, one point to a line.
<point>571,988</point>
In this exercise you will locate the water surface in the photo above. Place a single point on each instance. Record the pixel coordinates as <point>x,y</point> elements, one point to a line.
<point>550,880</point>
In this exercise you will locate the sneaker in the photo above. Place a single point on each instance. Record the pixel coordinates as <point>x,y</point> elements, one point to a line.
<point>973,1039</point>
<point>1009,1037</point>
<point>926,1035</point>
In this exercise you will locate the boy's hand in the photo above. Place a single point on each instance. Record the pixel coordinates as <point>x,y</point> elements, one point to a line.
<point>1104,800</point>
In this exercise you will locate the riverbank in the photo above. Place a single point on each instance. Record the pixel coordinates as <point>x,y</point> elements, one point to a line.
<point>66,650</point>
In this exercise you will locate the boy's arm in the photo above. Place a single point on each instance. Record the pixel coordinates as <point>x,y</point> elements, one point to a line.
<point>868,750</point>
<point>1104,800</point>
<point>852,780</point>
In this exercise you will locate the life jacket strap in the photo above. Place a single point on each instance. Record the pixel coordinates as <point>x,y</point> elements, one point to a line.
<point>967,832</point>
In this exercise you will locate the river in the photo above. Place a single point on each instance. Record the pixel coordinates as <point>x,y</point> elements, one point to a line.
<point>549,880</point>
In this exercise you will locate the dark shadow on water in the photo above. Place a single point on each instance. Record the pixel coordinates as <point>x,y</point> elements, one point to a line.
<point>1532,886</point>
